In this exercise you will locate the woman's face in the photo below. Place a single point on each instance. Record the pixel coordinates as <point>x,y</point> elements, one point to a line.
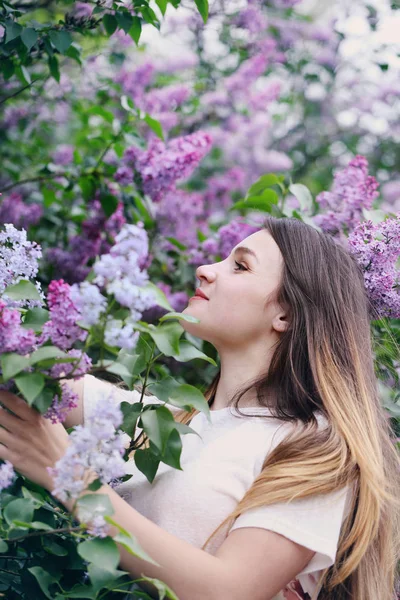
<point>236,312</point>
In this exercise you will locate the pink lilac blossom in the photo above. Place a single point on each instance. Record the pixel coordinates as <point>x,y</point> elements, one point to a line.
<point>353,189</point>
<point>62,328</point>
<point>252,19</point>
<point>18,257</point>
<point>162,165</point>
<point>96,447</point>
<point>377,249</point>
<point>21,214</point>
<point>7,474</point>
<point>14,337</point>
<point>60,407</point>
<point>121,336</point>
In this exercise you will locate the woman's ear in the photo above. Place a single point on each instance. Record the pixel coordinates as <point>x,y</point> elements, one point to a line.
<point>280,322</point>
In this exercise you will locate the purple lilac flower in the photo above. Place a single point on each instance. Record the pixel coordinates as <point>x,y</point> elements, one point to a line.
<point>97,232</point>
<point>13,337</point>
<point>59,408</point>
<point>89,301</point>
<point>79,368</point>
<point>134,82</point>
<point>179,214</point>
<point>22,215</point>
<point>246,74</point>
<point>62,328</point>
<point>377,249</point>
<point>7,475</point>
<point>96,447</point>
<point>252,19</point>
<point>124,175</point>
<point>98,525</point>
<point>18,257</point>
<point>353,189</point>
<point>161,165</point>
<point>167,98</point>
<point>64,154</point>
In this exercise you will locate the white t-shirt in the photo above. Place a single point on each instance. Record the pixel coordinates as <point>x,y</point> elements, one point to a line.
<point>217,469</point>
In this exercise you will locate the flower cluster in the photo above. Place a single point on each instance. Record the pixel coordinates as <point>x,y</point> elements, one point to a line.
<point>62,327</point>
<point>353,189</point>
<point>14,209</point>
<point>162,165</point>
<point>96,448</point>
<point>377,249</point>
<point>7,475</point>
<point>60,406</point>
<point>14,337</point>
<point>18,258</point>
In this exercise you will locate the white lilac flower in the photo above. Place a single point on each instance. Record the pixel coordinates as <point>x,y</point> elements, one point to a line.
<point>96,447</point>
<point>18,260</point>
<point>121,336</point>
<point>7,475</point>
<point>89,301</point>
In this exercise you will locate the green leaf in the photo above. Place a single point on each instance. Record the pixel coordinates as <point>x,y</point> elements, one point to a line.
<point>177,243</point>
<point>162,5</point>
<point>95,485</point>
<point>35,318</point>
<point>147,463</point>
<point>265,181</point>
<point>173,450</point>
<point>7,67</point>
<point>166,337</point>
<point>188,397</point>
<point>43,401</point>
<point>303,195</point>
<point>163,590</point>
<point>110,24</point>
<point>263,203</point>
<point>100,578</point>
<point>124,20</point>
<point>154,125</point>
<point>189,352</point>
<point>61,40</point>
<point>157,424</point>
<point>136,30</point>
<point>180,316</point>
<point>23,290</point>
<point>13,30</point>
<point>130,543</point>
<point>53,548</point>
<point>12,363</point>
<point>103,552</point>
<point>90,505</point>
<point>131,413</point>
<point>3,546</point>
<point>30,385</point>
<point>19,509</point>
<point>54,69</point>
<point>159,297</point>
<point>46,353</point>
<point>202,7</point>
<point>29,36</point>
<point>109,204</point>
<point>44,580</point>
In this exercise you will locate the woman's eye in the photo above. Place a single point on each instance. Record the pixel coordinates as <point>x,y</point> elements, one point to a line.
<point>240,267</point>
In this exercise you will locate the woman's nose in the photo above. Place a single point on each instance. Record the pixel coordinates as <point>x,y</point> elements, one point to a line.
<point>205,272</point>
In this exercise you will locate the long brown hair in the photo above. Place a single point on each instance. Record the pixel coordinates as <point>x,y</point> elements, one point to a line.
<point>324,361</point>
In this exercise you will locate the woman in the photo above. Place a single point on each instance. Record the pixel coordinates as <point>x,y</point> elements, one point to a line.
<point>299,491</point>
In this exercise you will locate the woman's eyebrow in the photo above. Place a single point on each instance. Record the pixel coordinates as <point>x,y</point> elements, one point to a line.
<point>245,250</point>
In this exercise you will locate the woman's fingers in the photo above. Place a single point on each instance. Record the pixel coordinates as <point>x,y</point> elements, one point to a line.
<point>18,406</point>
<point>10,422</point>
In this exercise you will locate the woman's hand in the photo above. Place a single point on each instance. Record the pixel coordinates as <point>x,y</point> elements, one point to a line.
<point>29,441</point>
